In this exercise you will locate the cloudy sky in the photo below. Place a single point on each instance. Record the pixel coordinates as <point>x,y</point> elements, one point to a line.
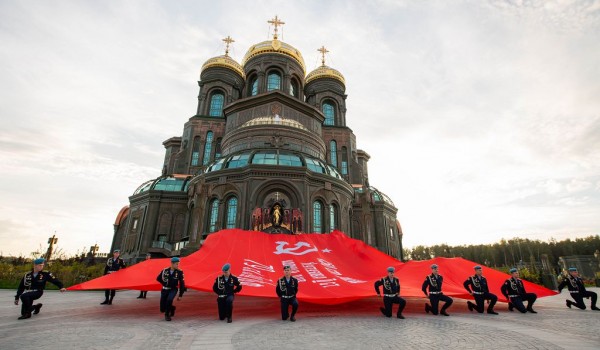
<point>482,119</point>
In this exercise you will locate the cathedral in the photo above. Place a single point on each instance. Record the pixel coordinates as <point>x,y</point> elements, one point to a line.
<point>269,150</point>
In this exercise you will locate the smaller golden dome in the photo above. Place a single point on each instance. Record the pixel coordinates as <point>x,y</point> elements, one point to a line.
<point>277,47</point>
<point>223,61</point>
<point>325,72</point>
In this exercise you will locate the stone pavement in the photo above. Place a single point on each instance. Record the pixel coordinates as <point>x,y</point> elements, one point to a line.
<point>76,320</point>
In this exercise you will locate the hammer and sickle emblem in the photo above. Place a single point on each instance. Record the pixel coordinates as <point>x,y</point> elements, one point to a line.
<point>295,250</point>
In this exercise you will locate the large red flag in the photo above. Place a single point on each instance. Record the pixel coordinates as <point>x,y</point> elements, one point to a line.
<point>331,268</point>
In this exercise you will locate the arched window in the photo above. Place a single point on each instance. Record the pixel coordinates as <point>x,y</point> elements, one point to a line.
<point>196,151</point>
<point>253,86</point>
<point>333,215</point>
<point>218,148</point>
<point>294,88</point>
<point>231,212</point>
<point>333,152</point>
<point>273,81</point>
<point>207,148</point>
<point>317,217</point>
<point>344,161</point>
<point>216,104</point>
<point>329,112</point>
<point>213,215</point>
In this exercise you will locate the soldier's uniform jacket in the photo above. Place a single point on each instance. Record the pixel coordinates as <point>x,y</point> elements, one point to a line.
<point>574,284</point>
<point>285,288</point>
<point>226,288</point>
<point>390,286</point>
<point>113,265</point>
<point>434,283</point>
<point>29,282</point>
<point>172,280</point>
<point>513,287</point>
<point>476,284</point>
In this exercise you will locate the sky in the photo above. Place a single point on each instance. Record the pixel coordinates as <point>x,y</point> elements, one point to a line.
<point>482,118</point>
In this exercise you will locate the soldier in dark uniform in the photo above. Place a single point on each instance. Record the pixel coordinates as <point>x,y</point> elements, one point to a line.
<point>32,287</point>
<point>514,290</point>
<point>391,294</point>
<point>143,293</point>
<point>286,289</point>
<point>477,286</point>
<point>435,295</point>
<point>171,279</point>
<point>226,286</point>
<point>113,264</point>
<point>575,285</point>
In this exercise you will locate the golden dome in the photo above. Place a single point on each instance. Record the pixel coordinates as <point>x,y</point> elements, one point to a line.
<point>325,72</point>
<point>223,61</point>
<point>277,47</point>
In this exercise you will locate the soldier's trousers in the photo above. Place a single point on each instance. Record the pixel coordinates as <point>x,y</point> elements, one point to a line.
<point>578,297</point>
<point>518,302</point>
<point>225,307</point>
<point>110,293</point>
<point>285,307</point>
<point>27,299</point>
<point>480,301</point>
<point>166,299</point>
<point>435,299</point>
<point>388,302</point>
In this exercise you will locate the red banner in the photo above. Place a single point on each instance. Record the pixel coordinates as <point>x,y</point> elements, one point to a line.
<point>330,268</point>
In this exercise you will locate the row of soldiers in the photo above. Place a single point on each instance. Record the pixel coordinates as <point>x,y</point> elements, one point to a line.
<point>227,285</point>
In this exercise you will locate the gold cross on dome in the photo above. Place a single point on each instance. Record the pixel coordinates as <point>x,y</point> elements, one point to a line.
<point>227,41</point>
<point>276,22</point>
<point>323,51</point>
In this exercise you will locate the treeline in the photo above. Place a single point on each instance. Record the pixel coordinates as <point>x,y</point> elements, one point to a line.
<point>70,271</point>
<point>506,253</point>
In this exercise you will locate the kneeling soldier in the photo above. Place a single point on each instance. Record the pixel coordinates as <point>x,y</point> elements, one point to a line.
<point>434,283</point>
<point>287,288</point>
<point>575,285</point>
<point>32,287</point>
<point>391,294</point>
<point>226,286</point>
<point>477,286</point>
<point>171,279</point>
<point>514,290</point>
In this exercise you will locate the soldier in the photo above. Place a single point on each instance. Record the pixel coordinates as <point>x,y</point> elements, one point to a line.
<point>143,293</point>
<point>575,285</point>
<point>391,294</point>
<point>477,286</point>
<point>171,279</point>
<point>113,264</point>
<point>514,290</point>
<point>434,282</point>
<point>32,287</point>
<point>286,289</point>
<point>226,286</point>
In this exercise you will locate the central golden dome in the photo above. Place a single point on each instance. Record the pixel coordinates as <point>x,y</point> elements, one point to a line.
<point>274,46</point>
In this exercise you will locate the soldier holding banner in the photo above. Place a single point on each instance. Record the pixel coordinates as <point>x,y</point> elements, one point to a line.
<point>225,287</point>
<point>32,287</point>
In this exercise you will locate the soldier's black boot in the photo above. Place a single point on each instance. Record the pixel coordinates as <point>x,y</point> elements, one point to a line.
<point>427,308</point>
<point>293,318</point>
<point>491,311</point>
<point>399,315</point>
<point>510,306</point>
<point>383,312</point>
<point>105,302</point>
<point>595,308</point>
<point>27,315</point>
<point>110,300</point>
<point>443,312</point>
<point>36,308</point>
<point>470,305</point>
<point>167,317</point>
<point>530,309</point>
<point>141,296</point>
<point>173,311</point>
<point>569,302</point>
<point>229,320</point>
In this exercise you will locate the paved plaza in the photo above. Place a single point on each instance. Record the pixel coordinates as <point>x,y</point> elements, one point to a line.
<point>76,320</point>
